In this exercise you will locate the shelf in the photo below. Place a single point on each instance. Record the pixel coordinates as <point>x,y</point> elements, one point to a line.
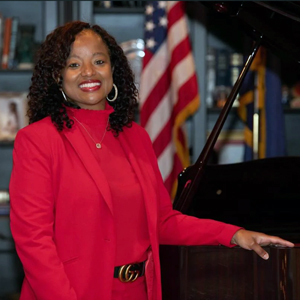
<point>17,71</point>
<point>119,10</point>
<point>6,143</point>
<point>217,110</point>
<point>289,110</point>
<point>286,110</point>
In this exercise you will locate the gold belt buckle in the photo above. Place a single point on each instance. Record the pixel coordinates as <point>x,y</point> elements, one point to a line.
<point>128,275</point>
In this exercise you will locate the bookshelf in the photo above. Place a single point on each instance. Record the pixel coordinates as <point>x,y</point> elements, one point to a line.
<point>41,17</point>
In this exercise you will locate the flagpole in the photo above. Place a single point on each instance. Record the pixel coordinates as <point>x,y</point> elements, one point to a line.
<point>256,119</point>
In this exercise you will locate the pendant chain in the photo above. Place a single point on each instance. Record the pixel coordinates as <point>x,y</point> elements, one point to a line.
<point>98,145</point>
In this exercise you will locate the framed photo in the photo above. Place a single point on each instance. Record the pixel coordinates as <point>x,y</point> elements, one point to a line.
<point>13,108</point>
<point>229,147</point>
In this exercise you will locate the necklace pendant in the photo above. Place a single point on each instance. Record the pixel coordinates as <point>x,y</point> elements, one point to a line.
<point>98,145</point>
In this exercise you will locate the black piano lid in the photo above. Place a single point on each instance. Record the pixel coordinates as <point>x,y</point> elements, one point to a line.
<point>261,195</point>
<point>277,22</point>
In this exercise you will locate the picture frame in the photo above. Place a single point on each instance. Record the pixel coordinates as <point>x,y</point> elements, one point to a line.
<point>13,109</point>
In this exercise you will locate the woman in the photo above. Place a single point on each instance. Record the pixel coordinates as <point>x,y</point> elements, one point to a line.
<point>88,204</point>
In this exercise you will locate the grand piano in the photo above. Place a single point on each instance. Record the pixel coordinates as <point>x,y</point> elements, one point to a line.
<point>260,195</point>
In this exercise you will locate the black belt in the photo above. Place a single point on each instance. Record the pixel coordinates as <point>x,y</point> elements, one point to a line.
<point>130,272</point>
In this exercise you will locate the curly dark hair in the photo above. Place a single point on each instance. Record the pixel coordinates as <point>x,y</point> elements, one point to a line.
<point>45,97</point>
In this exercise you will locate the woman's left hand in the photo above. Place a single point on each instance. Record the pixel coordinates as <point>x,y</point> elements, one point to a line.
<point>252,240</point>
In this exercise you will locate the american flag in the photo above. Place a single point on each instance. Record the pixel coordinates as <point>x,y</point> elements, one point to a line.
<point>168,87</point>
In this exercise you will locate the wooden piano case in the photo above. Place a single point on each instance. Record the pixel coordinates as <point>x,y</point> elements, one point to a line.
<point>261,195</point>
<point>220,273</point>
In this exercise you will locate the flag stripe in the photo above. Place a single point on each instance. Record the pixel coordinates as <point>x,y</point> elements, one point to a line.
<point>163,113</point>
<point>175,12</point>
<point>152,72</point>
<point>153,99</point>
<point>177,33</point>
<point>186,91</point>
<point>165,161</point>
<point>164,137</point>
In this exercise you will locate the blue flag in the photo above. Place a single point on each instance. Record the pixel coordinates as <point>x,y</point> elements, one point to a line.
<point>260,96</point>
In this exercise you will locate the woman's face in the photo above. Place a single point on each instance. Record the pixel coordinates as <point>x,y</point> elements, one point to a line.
<point>87,77</point>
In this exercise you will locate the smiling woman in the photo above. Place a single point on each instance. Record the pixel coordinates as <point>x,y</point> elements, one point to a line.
<point>89,208</point>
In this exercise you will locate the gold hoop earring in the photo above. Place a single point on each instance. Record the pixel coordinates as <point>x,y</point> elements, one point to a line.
<point>116,94</point>
<point>64,95</point>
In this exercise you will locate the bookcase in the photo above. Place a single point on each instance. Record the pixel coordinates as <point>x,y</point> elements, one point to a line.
<point>42,16</point>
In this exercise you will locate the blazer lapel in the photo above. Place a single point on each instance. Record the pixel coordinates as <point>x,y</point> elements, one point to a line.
<point>91,165</point>
<point>138,159</point>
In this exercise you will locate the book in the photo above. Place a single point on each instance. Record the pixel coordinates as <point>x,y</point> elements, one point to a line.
<point>6,42</point>
<point>25,47</point>
<point>1,33</point>
<point>236,66</point>
<point>13,42</point>
<point>222,85</point>
<point>210,76</point>
<point>228,67</point>
<point>223,68</point>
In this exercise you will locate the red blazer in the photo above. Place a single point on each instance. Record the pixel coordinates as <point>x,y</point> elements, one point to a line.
<point>62,215</point>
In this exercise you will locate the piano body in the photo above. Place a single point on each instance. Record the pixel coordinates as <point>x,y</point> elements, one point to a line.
<point>250,194</point>
<point>260,195</point>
